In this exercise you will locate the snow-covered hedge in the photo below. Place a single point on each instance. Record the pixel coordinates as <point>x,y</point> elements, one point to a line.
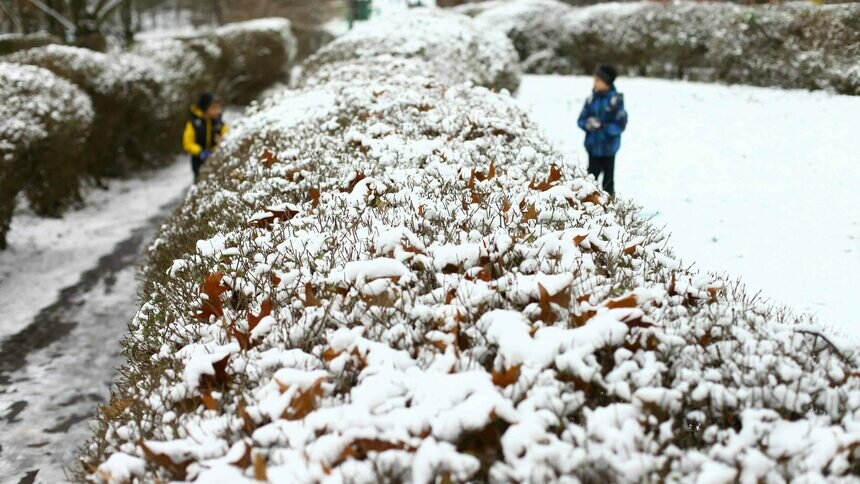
<point>310,38</point>
<point>140,100</point>
<point>793,45</point>
<point>396,279</point>
<point>125,91</point>
<point>457,48</point>
<point>10,43</point>
<point>188,67</point>
<point>44,123</point>
<point>536,27</point>
<point>237,60</point>
<point>256,54</point>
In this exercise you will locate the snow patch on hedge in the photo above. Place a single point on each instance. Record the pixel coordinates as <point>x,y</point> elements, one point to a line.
<point>456,46</point>
<point>33,98</point>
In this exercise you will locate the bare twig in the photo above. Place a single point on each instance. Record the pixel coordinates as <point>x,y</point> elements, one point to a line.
<point>54,14</point>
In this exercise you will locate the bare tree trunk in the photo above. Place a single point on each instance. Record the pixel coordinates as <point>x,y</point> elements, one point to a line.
<point>77,10</point>
<point>9,20</point>
<point>26,17</point>
<point>219,11</point>
<point>54,26</point>
<point>126,13</point>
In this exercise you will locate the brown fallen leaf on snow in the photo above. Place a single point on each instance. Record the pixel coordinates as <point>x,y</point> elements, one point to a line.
<point>562,298</point>
<point>268,158</point>
<point>304,402</point>
<point>177,469</point>
<point>208,401</point>
<point>260,468</point>
<point>353,181</point>
<point>274,213</point>
<point>530,214</point>
<point>359,449</point>
<point>220,378</point>
<point>213,289</point>
<point>507,377</point>
<point>549,181</point>
<point>245,460</point>
<point>310,297</point>
<point>265,310</point>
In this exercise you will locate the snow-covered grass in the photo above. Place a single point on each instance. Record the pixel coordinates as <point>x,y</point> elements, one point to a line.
<point>756,183</point>
<point>796,45</point>
<point>388,278</point>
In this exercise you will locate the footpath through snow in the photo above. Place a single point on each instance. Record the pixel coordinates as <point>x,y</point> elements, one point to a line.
<point>755,183</point>
<point>48,254</point>
<point>68,289</point>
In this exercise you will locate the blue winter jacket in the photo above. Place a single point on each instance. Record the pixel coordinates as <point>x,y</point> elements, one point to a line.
<point>608,108</point>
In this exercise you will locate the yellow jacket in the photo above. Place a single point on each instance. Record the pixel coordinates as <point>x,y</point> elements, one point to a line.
<point>198,134</point>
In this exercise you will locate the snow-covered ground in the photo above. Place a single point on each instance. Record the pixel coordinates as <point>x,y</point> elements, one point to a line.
<point>757,183</point>
<point>67,293</point>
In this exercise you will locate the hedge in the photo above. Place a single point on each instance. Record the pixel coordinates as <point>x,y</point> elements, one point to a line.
<point>10,43</point>
<point>136,105</point>
<point>257,53</point>
<point>794,45</point>
<point>464,53</point>
<point>45,123</point>
<point>124,91</point>
<point>384,278</point>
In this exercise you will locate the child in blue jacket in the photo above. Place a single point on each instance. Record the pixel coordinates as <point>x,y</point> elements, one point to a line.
<point>603,119</point>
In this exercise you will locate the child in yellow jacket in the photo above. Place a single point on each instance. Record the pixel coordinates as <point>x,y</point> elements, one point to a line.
<point>204,131</point>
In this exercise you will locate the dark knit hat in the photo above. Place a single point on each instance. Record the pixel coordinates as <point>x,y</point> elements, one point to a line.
<point>606,73</point>
<point>205,100</point>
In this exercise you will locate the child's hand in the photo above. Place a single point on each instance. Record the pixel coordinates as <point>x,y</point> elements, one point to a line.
<point>593,124</point>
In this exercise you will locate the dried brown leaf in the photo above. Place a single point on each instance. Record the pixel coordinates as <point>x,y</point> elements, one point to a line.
<point>507,377</point>
<point>213,289</point>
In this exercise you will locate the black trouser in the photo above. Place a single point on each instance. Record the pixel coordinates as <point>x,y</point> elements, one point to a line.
<point>196,163</point>
<point>605,165</point>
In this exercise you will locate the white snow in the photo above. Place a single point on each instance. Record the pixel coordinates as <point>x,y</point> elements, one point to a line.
<point>121,468</point>
<point>359,272</point>
<point>756,183</point>
<point>33,99</point>
<point>46,255</point>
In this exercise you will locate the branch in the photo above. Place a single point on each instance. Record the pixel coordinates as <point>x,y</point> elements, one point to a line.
<point>53,13</point>
<point>105,8</point>
<point>826,340</point>
<point>11,17</point>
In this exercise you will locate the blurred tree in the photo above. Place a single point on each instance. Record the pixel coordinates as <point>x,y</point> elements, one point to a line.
<point>90,23</point>
<point>81,22</point>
